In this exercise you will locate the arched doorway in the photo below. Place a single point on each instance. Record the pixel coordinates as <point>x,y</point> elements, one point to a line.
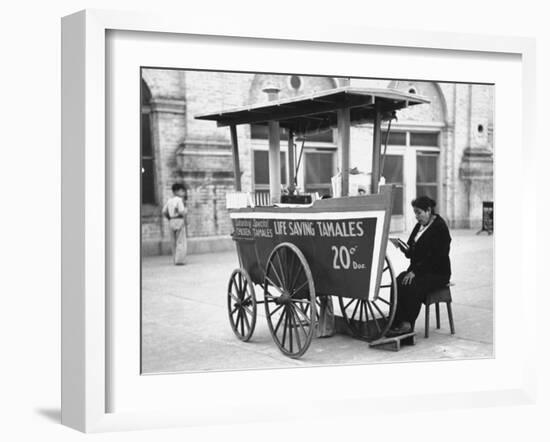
<point>148,191</point>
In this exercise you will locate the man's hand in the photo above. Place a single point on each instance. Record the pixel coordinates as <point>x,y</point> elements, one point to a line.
<point>408,278</point>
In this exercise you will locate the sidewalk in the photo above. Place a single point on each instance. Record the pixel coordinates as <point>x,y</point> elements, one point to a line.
<point>185,325</point>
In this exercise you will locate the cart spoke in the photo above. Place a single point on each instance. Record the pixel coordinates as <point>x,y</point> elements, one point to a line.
<point>291,270</point>
<point>297,321</point>
<point>355,309</point>
<point>287,268</point>
<point>374,317</point>
<point>383,300</point>
<point>248,310</point>
<point>304,315</point>
<point>246,320</point>
<point>285,327</point>
<point>234,310</point>
<point>234,297</point>
<point>274,285</point>
<point>290,328</point>
<point>281,268</point>
<point>294,292</point>
<point>306,301</point>
<point>296,276</point>
<point>364,307</point>
<point>243,317</point>
<point>283,314</point>
<point>276,310</point>
<point>298,340</point>
<point>272,267</point>
<point>348,304</point>
<point>379,311</point>
<point>238,320</point>
<point>271,296</point>
<point>385,286</point>
<point>298,303</point>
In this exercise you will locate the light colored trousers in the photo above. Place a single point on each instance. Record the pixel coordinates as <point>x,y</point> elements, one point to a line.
<point>178,240</point>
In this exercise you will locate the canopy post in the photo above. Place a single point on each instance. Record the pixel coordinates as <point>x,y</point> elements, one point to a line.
<point>376,144</point>
<point>274,150</point>
<point>291,165</point>
<point>274,162</point>
<point>343,147</point>
<point>236,164</point>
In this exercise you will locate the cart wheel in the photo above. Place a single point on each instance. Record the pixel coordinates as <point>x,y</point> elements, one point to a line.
<point>370,320</point>
<point>290,300</point>
<point>241,304</point>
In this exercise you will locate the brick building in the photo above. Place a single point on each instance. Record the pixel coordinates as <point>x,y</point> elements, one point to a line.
<point>443,149</point>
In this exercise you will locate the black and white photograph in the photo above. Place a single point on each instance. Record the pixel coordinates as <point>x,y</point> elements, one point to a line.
<point>292,220</point>
<point>242,221</point>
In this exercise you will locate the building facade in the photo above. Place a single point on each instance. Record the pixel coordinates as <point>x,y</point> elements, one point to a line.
<point>443,149</point>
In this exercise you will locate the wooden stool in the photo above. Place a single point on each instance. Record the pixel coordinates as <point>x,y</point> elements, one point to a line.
<point>435,297</point>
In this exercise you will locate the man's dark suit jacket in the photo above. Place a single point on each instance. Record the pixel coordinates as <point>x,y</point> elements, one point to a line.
<point>430,255</point>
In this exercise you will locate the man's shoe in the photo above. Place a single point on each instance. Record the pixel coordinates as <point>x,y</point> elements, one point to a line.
<point>403,328</point>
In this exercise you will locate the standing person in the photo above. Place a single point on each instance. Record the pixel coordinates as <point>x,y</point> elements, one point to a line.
<point>430,268</point>
<point>175,211</point>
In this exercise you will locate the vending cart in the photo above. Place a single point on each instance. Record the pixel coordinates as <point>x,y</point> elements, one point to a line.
<point>298,250</point>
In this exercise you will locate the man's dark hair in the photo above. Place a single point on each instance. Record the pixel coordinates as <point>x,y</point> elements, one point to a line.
<point>177,186</point>
<point>423,203</point>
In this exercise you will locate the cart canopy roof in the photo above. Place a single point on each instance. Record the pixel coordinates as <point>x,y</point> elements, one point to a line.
<point>317,112</point>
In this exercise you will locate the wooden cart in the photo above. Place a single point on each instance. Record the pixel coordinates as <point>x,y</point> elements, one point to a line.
<point>302,254</point>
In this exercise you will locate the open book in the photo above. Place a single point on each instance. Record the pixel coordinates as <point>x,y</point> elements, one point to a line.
<point>400,244</point>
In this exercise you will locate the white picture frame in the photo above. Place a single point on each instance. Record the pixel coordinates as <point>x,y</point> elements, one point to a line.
<point>86,314</point>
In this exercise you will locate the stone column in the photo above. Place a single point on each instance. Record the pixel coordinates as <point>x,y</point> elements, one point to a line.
<point>476,166</point>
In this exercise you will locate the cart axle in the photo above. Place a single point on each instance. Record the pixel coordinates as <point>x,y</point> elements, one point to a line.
<point>285,298</point>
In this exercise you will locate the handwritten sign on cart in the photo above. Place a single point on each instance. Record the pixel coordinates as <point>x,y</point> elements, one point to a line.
<point>341,248</point>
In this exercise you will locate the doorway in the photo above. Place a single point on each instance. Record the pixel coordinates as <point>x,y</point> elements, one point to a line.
<point>412,165</point>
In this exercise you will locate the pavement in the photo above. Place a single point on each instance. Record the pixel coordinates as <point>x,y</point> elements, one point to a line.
<point>185,325</point>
